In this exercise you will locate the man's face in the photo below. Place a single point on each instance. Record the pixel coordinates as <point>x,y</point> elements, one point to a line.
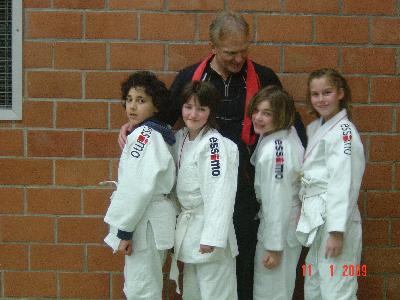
<point>231,53</point>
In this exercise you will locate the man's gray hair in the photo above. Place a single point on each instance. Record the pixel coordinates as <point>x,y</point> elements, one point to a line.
<point>226,23</point>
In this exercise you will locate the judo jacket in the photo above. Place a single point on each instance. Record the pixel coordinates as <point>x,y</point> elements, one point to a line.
<point>230,121</point>
<point>277,160</point>
<point>333,167</point>
<point>146,175</point>
<point>205,188</point>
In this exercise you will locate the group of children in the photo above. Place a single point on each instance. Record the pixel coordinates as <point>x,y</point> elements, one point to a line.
<point>307,197</point>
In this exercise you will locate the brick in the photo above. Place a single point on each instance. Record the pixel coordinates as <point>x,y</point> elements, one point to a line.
<point>54,25</point>
<point>11,200</point>
<point>117,115</point>
<point>117,281</point>
<point>103,85</point>
<point>136,4</point>
<point>385,89</point>
<point>37,55</point>
<point>54,201</point>
<point>296,85</point>
<point>384,7</point>
<point>137,56</point>
<point>108,25</point>
<point>384,148</point>
<point>13,257</point>
<point>80,4</point>
<point>81,172</point>
<point>266,55</point>
<point>81,115</point>
<point>306,117</point>
<point>36,114</point>
<point>377,176</point>
<point>11,143</point>
<point>14,229</point>
<point>54,143</point>
<point>385,31</point>
<point>84,285</point>
<point>89,56</point>
<point>312,6</point>
<point>196,5</point>
<point>56,257</point>
<point>284,28</point>
<point>258,5</point>
<point>30,284</point>
<point>81,230</point>
<point>395,230</point>
<point>398,176</point>
<point>164,26</point>
<point>383,204</point>
<point>114,169</point>
<point>181,56</point>
<point>307,59</point>
<point>359,88</point>
<point>377,260</point>
<point>393,287</point>
<point>371,287</point>
<point>36,3</point>
<point>341,30</point>
<point>363,60</point>
<point>57,85</point>
<point>372,118</point>
<point>101,258</point>
<point>96,202</point>
<point>101,144</point>
<point>375,233</point>
<point>398,121</point>
<point>26,171</point>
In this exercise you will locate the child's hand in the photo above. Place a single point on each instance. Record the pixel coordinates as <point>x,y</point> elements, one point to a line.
<point>272,259</point>
<point>334,244</point>
<point>125,247</point>
<point>206,249</point>
<point>122,135</point>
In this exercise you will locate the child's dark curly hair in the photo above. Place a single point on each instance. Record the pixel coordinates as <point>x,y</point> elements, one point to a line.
<point>153,87</point>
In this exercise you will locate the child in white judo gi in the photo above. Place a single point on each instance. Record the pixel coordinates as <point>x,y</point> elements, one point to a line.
<point>139,209</point>
<point>207,166</point>
<point>333,167</point>
<point>277,159</point>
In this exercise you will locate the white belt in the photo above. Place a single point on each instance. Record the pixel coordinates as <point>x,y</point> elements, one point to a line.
<point>183,221</point>
<point>309,189</point>
<point>312,214</point>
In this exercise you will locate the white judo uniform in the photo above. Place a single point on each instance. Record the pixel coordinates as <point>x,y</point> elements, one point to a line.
<point>332,172</point>
<point>146,175</point>
<point>277,160</point>
<point>206,189</point>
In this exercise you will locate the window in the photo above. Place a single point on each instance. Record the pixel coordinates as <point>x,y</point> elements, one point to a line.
<point>10,60</point>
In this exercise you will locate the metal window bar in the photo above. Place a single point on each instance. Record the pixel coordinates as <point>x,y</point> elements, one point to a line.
<point>10,59</point>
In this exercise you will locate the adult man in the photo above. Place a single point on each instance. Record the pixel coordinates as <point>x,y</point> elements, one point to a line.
<point>237,78</point>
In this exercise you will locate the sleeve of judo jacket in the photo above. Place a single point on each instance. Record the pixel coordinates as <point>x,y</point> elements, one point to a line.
<point>146,165</point>
<point>276,194</point>
<point>339,202</point>
<point>218,169</point>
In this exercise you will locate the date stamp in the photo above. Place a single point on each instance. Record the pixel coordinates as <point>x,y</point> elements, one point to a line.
<point>345,270</point>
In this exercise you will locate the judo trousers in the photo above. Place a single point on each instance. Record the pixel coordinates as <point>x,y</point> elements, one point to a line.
<point>143,271</point>
<point>210,281</point>
<point>277,283</point>
<point>246,235</point>
<point>330,278</point>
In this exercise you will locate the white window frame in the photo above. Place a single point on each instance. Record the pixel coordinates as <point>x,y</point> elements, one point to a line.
<point>15,113</point>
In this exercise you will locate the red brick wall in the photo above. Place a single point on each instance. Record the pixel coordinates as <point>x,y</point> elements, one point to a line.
<point>75,55</point>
